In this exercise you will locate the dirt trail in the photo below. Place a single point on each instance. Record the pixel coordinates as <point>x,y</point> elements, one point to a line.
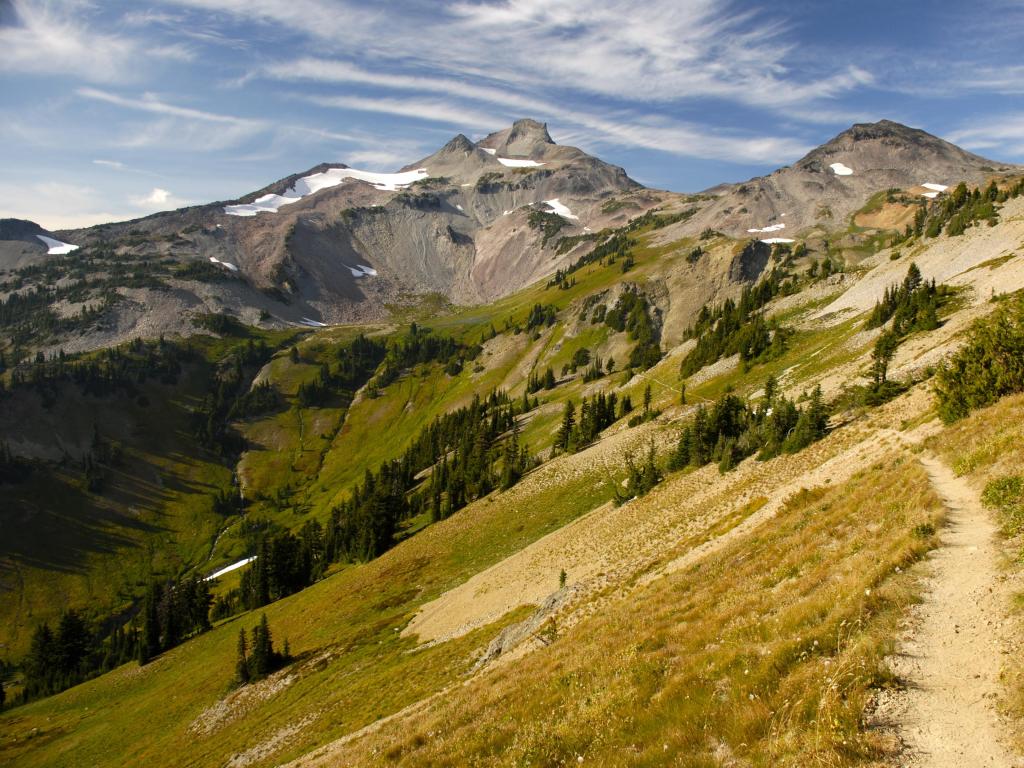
<point>951,661</point>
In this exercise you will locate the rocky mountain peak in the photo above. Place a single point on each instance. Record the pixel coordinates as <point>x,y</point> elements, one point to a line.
<point>889,144</point>
<point>460,144</point>
<point>523,137</point>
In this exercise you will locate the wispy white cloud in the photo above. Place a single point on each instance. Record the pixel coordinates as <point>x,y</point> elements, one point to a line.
<point>58,37</point>
<point>669,51</point>
<point>149,102</point>
<point>1003,133</point>
<point>117,165</point>
<point>178,126</point>
<point>438,111</point>
<point>51,38</point>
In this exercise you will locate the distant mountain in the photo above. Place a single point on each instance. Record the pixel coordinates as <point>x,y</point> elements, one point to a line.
<point>23,243</point>
<point>822,189</point>
<point>335,244</point>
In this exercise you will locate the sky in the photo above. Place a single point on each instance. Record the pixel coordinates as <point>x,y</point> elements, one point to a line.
<point>113,110</point>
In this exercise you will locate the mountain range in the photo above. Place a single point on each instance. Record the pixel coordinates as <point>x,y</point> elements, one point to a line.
<point>471,223</point>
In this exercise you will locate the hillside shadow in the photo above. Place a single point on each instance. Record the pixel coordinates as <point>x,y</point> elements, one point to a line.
<point>51,525</point>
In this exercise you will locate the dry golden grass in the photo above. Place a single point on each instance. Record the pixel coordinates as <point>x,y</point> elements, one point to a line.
<point>765,653</point>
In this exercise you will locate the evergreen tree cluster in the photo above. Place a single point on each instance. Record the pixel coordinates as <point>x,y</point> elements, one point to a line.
<point>356,361</point>
<point>640,477</point>
<point>469,452</point>
<point>212,420</point>
<point>632,313</point>
<point>731,430</point>
<point>736,327</point>
<point>613,245</point>
<point>416,346</point>
<point>262,398</point>
<point>257,657</point>
<point>550,224</point>
<point>537,382</point>
<point>102,455</point>
<point>595,414</point>
<point>562,280</point>
<point>912,305</point>
<point>285,563</point>
<point>823,269</point>
<point>118,369</point>
<point>58,659</point>
<point>28,317</point>
<point>961,209</point>
<point>541,315</point>
<point>990,364</point>
<point>172,611</point>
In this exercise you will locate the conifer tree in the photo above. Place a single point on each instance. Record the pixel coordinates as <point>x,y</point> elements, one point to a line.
<point>242,663</point>
<point>564,437</point>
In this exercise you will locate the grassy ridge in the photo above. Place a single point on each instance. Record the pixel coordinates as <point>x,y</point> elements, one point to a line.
<point>765,653</point>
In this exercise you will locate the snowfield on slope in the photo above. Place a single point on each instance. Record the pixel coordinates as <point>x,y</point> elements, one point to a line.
<point>769,228</point>
<point>361,270</point>
<point>562,210</point>
<point>519,163</point>
<point>228,264</point>
<point>310,185</point>
<point>841,170</point>
<point>56,247</point>
<point>230,568</point>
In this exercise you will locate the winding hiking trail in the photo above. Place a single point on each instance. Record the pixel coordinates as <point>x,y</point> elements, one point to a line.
<point>951,661</point>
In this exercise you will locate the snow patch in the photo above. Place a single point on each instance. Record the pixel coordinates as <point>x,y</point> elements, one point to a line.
<point>930,195</point>
<point>309,185</point>
<point>773,240</point>
<point>312,324</point>
<point>361,270</point>
<point>841,170</point>
<point>562,210</point>
<point>935,187</point>
<point>519,163</point>
<point>771,228</point>
<point>56,247</point>
<point>489,151</point>
<point>458,206</point>
<point>227,264</point>
<point>229,568</point>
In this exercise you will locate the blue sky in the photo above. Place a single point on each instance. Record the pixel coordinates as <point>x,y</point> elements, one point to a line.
<point>112,110</point>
